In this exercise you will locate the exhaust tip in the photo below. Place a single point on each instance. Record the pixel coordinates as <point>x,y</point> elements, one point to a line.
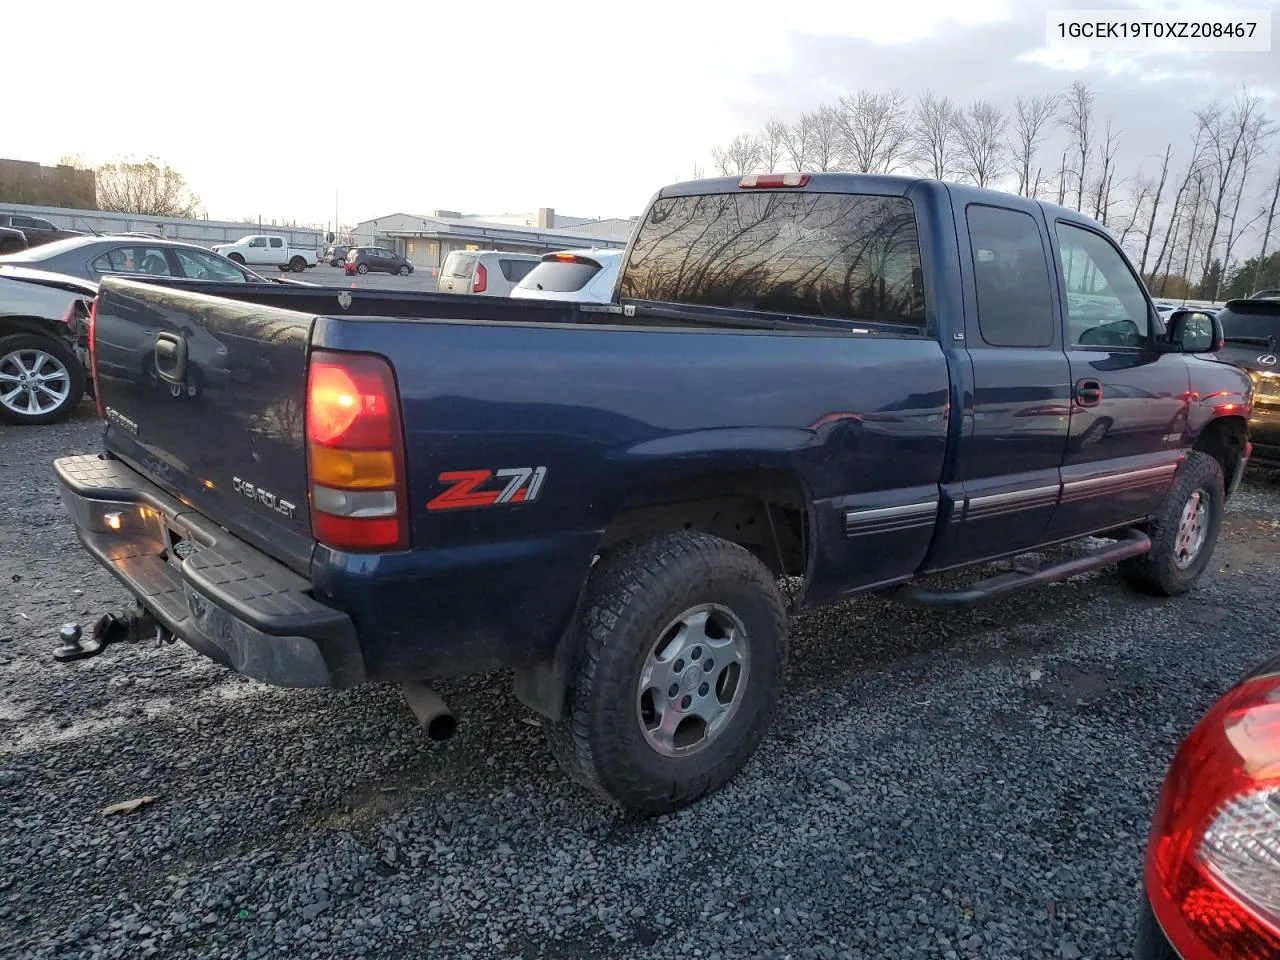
<point>432,712</point>
<point>442,727</point>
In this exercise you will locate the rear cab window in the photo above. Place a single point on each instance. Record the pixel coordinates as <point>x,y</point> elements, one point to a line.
<point>849,257</point>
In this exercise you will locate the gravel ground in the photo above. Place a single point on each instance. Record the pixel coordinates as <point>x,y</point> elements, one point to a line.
<point>972,784</point>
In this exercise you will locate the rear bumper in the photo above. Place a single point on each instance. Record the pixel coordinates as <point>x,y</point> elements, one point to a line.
<point>224,598</point>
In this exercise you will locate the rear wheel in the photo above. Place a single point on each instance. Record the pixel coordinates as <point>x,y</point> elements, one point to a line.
<point>404,270</point>
<point>1183,533</point>
<point>41,381</point>
<point>298,264</point>
<point>362,269</point>
<point>680,660</point>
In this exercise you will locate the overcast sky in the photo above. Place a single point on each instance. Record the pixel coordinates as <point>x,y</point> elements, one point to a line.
<point>509,106</point>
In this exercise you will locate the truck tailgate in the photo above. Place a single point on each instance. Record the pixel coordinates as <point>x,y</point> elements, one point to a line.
<point>206,396</point>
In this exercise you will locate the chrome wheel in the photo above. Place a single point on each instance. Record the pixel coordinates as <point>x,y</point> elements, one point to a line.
<point>693,680</point>
<point>1193,527</point>
<point>33,382</point>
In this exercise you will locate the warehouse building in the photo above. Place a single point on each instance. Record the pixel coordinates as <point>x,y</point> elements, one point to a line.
<point>427,240</point>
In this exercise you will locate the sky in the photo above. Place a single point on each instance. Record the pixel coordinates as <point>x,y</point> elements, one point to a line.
<point>298,110</point>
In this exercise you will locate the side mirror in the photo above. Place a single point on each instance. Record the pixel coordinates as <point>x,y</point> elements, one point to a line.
<point>1195,332</point>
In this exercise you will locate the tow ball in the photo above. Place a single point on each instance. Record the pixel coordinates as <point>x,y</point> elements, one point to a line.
<point>110,628</point>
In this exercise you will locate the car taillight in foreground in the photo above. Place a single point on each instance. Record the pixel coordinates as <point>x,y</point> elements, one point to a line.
<point>93,360</point>
<point>355,453</point>
<point>1213,862</point>
<point>481,283</point>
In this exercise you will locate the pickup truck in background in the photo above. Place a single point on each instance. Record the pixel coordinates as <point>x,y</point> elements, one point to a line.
<point>268,251</point>
<point>854,380</point>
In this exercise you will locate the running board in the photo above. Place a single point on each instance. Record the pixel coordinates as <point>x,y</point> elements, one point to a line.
<point>1130,543</point>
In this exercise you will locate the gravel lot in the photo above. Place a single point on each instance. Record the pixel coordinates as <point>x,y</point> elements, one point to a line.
<point>972,784</point>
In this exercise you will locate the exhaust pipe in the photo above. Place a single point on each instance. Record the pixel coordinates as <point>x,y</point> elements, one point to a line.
<point>432,712</point>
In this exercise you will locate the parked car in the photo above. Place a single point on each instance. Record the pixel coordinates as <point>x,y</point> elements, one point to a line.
<point>11,240</point>
<point>43,345</point>
<point>602,497</point>
<point>92,258</point>
<point>587,276</point>
<point>362,260</point>
<point>37,230</point>
<point>336,256</point>
<point>493,273</point>
<point>268,251</point>
<point>1251,329</point>
<point>1212,876</point>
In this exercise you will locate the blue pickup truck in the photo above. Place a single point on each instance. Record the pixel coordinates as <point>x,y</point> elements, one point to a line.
<point>850,380</point>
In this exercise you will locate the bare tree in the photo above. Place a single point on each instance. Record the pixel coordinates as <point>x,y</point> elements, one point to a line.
<point>1155,209</point>
<point>1266,232</point>
<point>1077,118</point>
<point>1062,180</point>
<point>772,145</point>
<point>1255,146</point>
<point>1032,116</point>
<point>980,134</point>
<point>825,138</point>
<point>874,128</point>
<point>933,136</point>
<point>1226,132</point>
<point>150,187</point>
<point>1107,158</point>
<point>796,142</point>
<point>741,156</point>
<point>698,173</point>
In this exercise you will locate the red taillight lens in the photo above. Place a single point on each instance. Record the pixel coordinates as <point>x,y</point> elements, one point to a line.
<point>93,360</point>
<point>1213,861</point>
<point>355,453</point>
<point>481,283</point>
<point>769,181</point>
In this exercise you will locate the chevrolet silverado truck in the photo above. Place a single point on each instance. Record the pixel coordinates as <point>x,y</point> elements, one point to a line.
<point>846,380</point>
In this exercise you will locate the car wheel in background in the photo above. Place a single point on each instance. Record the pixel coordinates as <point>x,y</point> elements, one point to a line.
<point>297,264</point>
<point>404,270</point>
<point>41,381</point>
<point>362,269</point>
<point>236,257</point>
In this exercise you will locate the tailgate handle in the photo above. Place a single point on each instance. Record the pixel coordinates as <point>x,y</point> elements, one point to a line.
<point>171,358</point>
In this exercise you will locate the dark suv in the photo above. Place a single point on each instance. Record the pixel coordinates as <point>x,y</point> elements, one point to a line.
<point>377,260</point>
<point>1251,328</point>
<point>336,255</point>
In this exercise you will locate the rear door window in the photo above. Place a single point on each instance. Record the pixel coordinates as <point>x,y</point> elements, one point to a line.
<point>516,270</point>
<point>1011,274</point>
<point>556,276</point>
<point>843,256</point>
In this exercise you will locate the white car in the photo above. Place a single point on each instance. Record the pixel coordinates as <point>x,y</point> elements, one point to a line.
<point>489,273</point>
<point>583,276</point>
<point>265,250</point>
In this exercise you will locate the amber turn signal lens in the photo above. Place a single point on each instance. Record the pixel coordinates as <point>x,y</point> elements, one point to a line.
<point>353,469</point>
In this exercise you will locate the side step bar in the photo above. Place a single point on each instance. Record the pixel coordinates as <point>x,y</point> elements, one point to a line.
<point>1130,543</point>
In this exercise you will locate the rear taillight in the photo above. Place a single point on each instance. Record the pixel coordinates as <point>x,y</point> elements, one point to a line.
<point>355,453</point>
<point>481,283</point>
<point>93,360</point>
<point>769,181</point>
<point>1213,862</point>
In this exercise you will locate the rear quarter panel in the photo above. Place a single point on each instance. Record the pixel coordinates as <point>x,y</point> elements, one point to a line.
<point>609,412</point>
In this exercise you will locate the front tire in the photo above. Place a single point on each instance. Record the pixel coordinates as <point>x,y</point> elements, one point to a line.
<point>1183,532</point>
<point>680,658</point>
<point>404,270</point>
<point>41,380</point>
<point>236,258</point>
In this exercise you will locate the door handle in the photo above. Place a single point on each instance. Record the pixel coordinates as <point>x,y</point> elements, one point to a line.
<point>1088,392</point>
<point>171,358</point>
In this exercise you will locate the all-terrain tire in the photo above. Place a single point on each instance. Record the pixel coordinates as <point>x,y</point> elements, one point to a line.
<point>1159,571</point>
<point>635,593</point>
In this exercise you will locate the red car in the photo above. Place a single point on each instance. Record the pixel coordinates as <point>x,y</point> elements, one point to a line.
<point>1213,860</point>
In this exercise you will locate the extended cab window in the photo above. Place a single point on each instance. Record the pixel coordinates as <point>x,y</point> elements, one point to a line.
<point>844,256</point>
<point>276,242</point>
<point>1105,303</point>
<point>1011,274</point>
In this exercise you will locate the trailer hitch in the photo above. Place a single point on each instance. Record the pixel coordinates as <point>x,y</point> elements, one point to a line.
<point>110,628</point>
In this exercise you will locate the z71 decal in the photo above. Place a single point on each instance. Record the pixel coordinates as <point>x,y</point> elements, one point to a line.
<point>470,488</point>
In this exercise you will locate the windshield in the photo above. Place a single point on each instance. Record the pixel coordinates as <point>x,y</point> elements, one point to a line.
<point>845,256</point>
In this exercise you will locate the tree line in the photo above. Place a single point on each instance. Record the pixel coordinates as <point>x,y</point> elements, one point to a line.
<point>1184,214</point>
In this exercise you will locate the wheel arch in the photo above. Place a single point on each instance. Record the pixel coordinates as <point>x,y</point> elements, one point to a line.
<point>1226,439</point>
